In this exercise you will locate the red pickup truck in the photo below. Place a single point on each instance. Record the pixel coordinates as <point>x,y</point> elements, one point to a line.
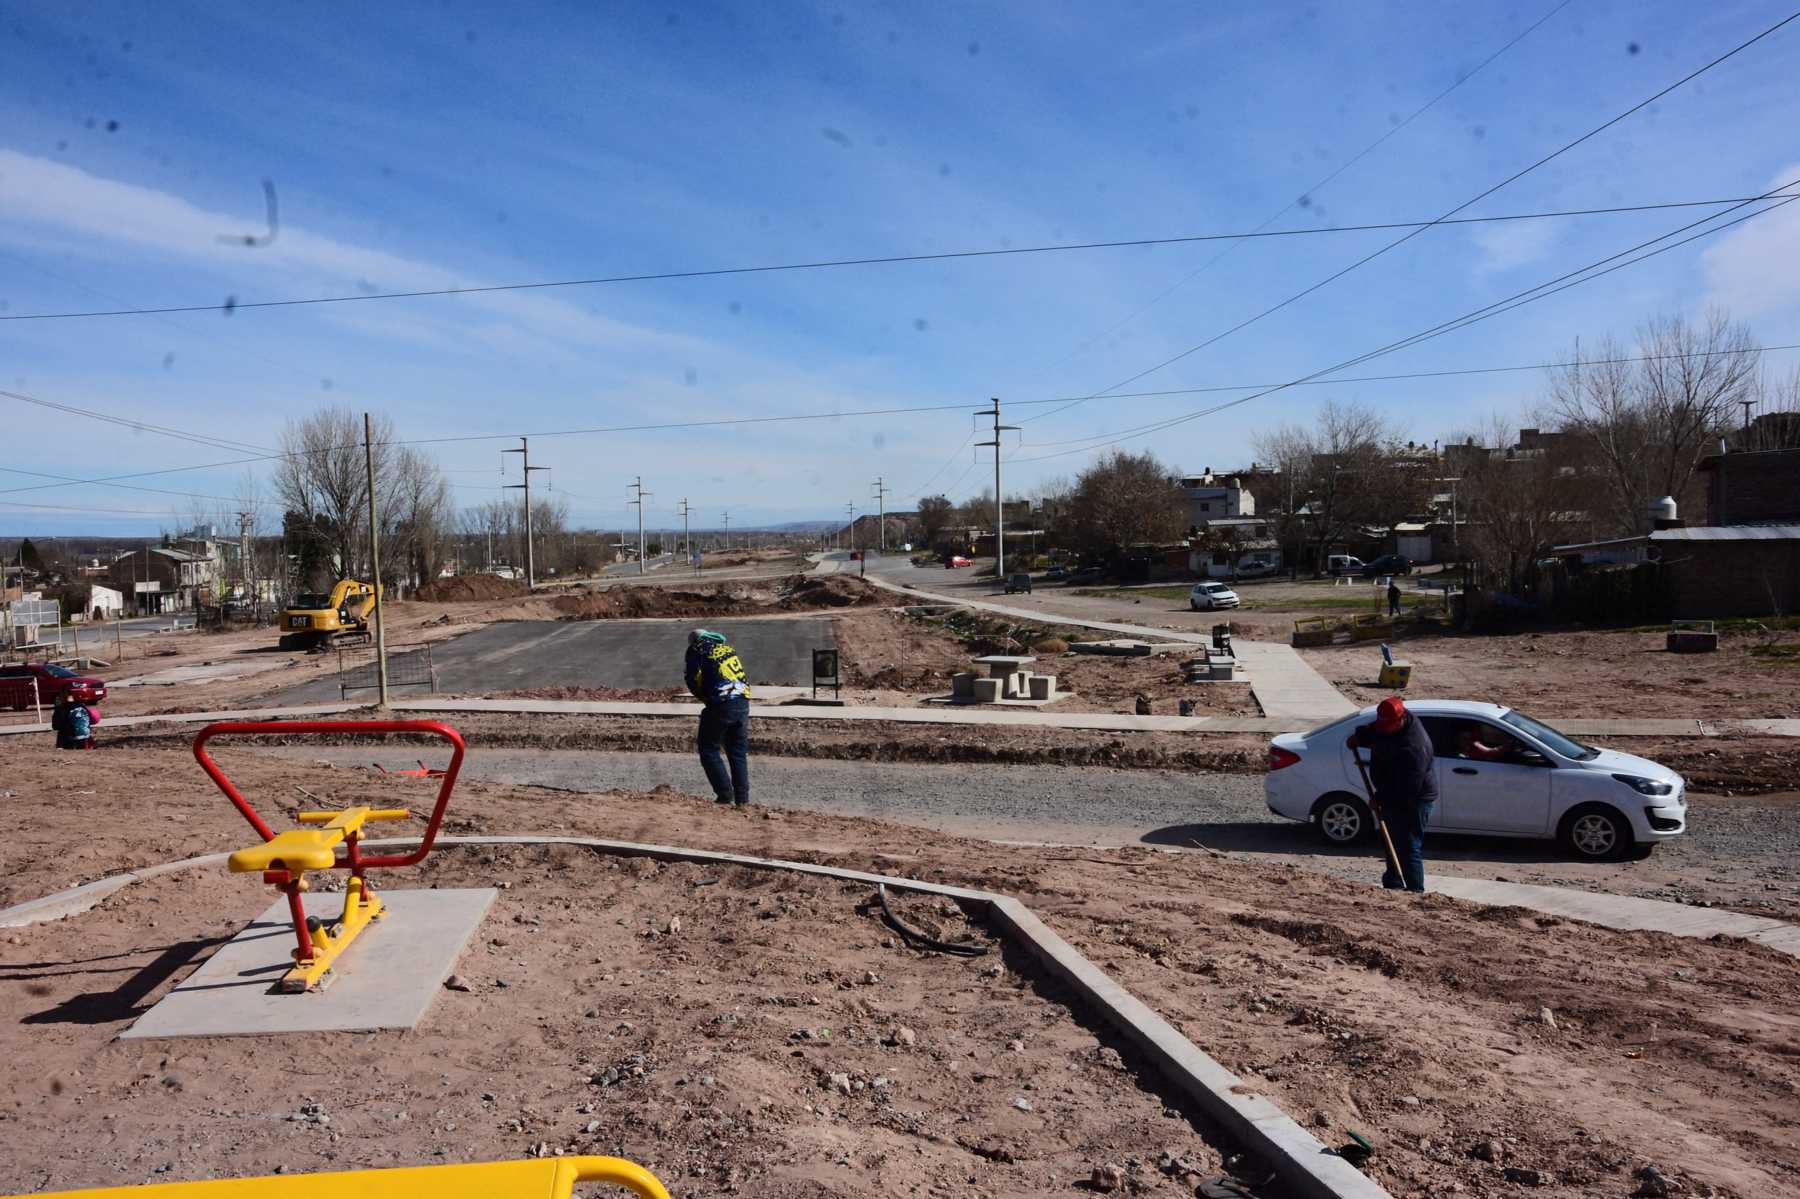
<point>16,690</point>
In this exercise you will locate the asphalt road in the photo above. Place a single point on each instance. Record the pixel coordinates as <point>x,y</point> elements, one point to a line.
<point>1739,852</point>
<point>526,654</point>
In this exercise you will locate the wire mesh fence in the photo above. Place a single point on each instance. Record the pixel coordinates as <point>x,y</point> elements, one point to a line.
<point>359,671</point>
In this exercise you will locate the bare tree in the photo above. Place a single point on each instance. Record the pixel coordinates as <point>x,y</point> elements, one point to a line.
<point>414,503</point>
<point>1516,504</point>
<point>1647,424</point>
<point>1125,500</point>
<point>933,519</point>
<point>322,480</point>
<point>1344,472</point>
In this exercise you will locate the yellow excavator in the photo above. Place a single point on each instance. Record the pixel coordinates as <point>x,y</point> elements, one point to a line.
<point>315,619</point>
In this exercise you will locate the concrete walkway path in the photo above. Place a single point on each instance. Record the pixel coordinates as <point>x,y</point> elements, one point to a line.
<point>1112,722</point>
<point>1284,685</point>
<point>1287,688</point>
<point>1623,911</point>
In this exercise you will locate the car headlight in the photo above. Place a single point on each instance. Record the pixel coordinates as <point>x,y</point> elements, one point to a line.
<point>1644,786</point>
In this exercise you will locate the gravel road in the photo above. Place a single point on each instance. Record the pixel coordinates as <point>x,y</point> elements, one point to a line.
<point>1741,853</point>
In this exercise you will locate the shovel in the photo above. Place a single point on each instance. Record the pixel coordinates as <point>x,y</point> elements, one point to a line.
<point>1369,790</point>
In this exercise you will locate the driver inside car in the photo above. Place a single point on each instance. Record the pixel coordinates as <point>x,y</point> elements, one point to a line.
<point>1473,742</point>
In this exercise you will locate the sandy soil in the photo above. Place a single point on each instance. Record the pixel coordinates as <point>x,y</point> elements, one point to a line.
<point>1597,674</point>
<point>1417,1021</point>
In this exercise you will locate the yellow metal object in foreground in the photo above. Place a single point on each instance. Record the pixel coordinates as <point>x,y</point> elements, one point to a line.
<point>544,1178</point>
<point>361,905</point>
<point>287,857</point>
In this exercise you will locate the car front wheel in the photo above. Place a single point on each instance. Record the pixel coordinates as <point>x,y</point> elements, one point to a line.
<point>1342,819</point>
<point>1596,834</point>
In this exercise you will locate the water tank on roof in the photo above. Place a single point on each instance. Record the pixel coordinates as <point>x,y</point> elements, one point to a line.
<point>1663,509</point>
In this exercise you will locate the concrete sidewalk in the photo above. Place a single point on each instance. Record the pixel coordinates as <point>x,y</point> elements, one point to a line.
<point>1110,722</point>
<point>1622,911</point>
<point>1286,687</point>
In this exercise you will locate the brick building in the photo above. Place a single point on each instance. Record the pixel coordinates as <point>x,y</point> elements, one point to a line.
<point>1753,487</point>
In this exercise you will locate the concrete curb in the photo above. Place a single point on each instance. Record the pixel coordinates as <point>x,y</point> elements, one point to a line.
<point>1303,1163</point>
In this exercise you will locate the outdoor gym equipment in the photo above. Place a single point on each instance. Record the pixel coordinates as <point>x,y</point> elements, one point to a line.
<point>541,1178</point>
<point>284,858</point>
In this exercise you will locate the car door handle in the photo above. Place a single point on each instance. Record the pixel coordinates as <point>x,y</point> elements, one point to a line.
<point>1464,770</point>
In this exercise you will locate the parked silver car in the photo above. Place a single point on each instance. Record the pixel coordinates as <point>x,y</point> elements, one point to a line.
<point>1207,597</point>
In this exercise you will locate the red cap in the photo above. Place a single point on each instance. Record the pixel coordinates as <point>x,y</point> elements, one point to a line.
<point>1390,714</point>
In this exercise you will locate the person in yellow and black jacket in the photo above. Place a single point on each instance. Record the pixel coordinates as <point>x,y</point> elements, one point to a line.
<point>716,676</point>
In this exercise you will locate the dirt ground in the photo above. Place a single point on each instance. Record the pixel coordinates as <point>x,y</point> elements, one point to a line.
<point>1419,1022</point>
<point>892,652</point>
<point>1590,674</point>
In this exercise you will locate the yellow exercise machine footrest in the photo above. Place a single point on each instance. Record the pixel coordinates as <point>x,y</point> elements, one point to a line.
<point>543,1178</point>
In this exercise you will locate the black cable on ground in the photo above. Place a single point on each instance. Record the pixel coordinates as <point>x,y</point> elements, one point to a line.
<point>918,939</point>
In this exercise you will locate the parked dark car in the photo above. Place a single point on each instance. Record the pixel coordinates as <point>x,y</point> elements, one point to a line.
<point>16,685</point>
<point>1018,582</point>
<point>1387,564</point>
<point>1056,572</point>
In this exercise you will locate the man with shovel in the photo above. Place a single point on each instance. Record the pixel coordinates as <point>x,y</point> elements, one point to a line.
<point>1402,783</point>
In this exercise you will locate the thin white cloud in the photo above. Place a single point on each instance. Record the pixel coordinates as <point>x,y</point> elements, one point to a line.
<point>1754,269</point>
<point>1512,244</point>
<point>39,196</point>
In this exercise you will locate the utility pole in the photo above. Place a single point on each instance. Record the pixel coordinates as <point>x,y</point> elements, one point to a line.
<point>687,541</point>
<point>999,496</point>
<point>728,530</point>
<point>524,452</point>
<point>638,487</point>
<point>850,528</point>
<point>881,495</point>
<point>381,671</point>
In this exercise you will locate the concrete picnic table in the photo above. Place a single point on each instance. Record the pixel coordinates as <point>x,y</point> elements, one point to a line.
<point>1007,668</point>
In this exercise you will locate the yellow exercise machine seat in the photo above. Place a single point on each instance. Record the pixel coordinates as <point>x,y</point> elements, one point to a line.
<point>309,848</point>
<point>542,1178</point>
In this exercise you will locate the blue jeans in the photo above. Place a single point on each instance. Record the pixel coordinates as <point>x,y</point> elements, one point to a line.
<point>726,726</point>
<point>1406,826</point>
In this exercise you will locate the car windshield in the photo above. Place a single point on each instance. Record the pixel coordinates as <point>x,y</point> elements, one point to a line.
<point>60,672</point>
<point>311,599</point>
<point>1544,734</point>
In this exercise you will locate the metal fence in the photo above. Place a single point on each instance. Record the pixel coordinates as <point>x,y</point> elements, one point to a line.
<point>357,670</point>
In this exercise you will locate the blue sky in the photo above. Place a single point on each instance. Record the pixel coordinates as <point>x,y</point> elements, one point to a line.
<point>418,146</point>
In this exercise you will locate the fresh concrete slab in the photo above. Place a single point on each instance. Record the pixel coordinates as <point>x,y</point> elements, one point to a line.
<point>386,979</point>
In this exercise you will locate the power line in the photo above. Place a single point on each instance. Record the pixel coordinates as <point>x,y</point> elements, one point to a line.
<point>1440,374</point>
<point>881,260</point>
<point>1445,219</point>
<point>1518,299</point>
<point>927,408</point>
<point>191,495</point>
<point>217,443</point>
<point>1304,196</point>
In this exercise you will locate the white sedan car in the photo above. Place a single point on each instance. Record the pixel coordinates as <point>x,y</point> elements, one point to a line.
<point>1500,773</point>
<point>1206,597</point>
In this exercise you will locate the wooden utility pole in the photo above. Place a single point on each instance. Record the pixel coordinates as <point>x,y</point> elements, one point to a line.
<point>381,671</point>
